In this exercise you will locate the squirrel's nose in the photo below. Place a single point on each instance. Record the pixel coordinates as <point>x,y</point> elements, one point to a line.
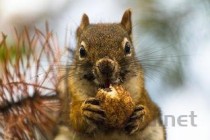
<point>106,67</point>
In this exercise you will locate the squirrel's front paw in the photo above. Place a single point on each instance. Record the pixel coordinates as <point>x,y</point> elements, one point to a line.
<point>92,112</point>
<point>135,120</point>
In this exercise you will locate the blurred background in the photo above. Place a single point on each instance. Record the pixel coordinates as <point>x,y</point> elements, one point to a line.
<point>172,40</point>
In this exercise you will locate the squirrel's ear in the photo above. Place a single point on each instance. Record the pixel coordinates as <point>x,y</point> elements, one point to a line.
<point>84,23</point>
<point>126,21</point>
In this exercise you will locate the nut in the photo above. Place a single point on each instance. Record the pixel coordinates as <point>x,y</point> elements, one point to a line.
<point>118,105</point>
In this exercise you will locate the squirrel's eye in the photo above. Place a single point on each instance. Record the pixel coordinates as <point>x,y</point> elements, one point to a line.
<point>82,52</point>
<point>127,48</point>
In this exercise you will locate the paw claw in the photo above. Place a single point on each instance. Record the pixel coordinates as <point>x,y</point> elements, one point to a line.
<point>95,118</point>
<point>92,112</point>
<point>138,108</point>
<point>93,101</point>
<point>131,128</point>
<point>136,118</point>
<point>94,108</point>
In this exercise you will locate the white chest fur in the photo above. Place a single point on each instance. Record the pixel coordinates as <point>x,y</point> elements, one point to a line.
<point>154,131</point>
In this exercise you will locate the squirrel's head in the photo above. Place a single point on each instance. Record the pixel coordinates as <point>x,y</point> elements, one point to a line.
<point>105,53</point>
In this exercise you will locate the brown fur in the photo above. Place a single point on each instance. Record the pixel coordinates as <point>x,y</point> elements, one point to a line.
<point>105,41</point>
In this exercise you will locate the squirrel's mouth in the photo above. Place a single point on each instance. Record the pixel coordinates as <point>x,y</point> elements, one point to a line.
<point>106,84</point>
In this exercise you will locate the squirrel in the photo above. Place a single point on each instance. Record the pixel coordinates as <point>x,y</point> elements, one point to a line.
<point>105,56</point>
